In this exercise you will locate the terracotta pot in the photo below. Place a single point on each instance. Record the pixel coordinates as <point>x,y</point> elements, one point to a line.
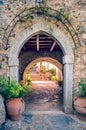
<point>80,105</point>
<point>15,107</point>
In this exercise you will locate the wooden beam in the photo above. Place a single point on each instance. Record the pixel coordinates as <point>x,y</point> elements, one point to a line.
<point>35,45</point>
<point>32,41</point>
<point>37,42</point>
<point>52,47</point>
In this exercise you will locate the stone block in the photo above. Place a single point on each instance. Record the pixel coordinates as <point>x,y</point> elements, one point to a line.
<point>84,36</point>
<point>84,29</point>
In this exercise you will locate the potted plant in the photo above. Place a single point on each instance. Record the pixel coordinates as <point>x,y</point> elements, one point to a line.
<point>13,94</point>
<point>80,101</point>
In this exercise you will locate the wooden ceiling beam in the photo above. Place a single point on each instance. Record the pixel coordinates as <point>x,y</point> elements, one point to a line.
<point>37,42</point>
<point>46,41</point>
<point>52,47</point>
<point>40,47</point>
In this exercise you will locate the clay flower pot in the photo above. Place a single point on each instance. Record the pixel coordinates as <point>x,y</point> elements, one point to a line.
<point>15,108</point>
<point>80,105</point>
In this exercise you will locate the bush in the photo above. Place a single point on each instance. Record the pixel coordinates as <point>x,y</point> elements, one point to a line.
<point>11,89</point>
<point>82,87</point>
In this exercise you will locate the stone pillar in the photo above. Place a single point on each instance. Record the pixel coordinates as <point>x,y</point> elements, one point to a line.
<point>14,73</point>
<point>68,84</point>
<point>14,69</point>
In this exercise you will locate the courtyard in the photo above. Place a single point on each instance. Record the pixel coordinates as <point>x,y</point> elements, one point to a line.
<point>43,64</point>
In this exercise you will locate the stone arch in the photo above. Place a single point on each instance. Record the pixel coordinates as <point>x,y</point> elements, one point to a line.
<point>68,58</point>
<point>46,59</point>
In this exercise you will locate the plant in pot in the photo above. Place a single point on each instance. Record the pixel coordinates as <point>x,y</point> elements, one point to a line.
<point>13,94</point>
<point>80,101</point>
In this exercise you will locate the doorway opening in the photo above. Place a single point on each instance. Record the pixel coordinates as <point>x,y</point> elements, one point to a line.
<point>41,62</point>
<point>46,90</point>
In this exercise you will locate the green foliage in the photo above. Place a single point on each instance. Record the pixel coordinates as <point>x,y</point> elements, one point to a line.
<point>0,66</point>
<point>82,87</point>
<point>52,71</point>
<point>49,77</point>
<point>61,14</point>
<point>72,31</point>
<point>29,80</point>
<point>54,78</point>
<point>11,89</point>
<point>77,44</point>
<point>35,65</point>
<point>43,69</point>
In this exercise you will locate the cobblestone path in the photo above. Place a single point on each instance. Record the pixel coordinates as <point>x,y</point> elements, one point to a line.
<point>45,121</point>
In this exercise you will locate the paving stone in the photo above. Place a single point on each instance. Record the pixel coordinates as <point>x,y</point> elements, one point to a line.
<point>74,128</point>
<point>27,119</point>
<point>44,122</point>
<point>59,128</point>
<point>40,127</point>
<point>49,128</point>
<point>28,128</point>
<point>1,128</point>
<point>61,120</point>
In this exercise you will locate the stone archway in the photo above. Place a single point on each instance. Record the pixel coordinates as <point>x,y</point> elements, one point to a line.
<point>68,58</point>
<point>43,59</point>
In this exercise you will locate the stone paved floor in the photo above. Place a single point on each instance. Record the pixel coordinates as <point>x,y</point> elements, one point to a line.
<point>45,96</point>
<point>45,120</point>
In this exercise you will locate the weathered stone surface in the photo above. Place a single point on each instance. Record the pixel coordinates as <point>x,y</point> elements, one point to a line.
<point>2,110</point>
<point>84,36</point>
<point>84,57</point>
<point>84,28</point>
<point>46,122</point>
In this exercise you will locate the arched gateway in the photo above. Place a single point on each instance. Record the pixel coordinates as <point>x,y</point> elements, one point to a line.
<point>68,58</point>
<point>43,59</point>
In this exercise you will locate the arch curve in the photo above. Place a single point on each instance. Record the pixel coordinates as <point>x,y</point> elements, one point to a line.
<point>28,33</point>
<point>43,59</point>
<point>64,44</point>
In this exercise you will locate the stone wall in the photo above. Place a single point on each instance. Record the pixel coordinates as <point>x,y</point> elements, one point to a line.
<point>80,64</point>
<point>76,9</point>
<point>2,111</point>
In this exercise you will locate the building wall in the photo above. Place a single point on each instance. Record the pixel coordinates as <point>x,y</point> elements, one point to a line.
<point>76,9</point>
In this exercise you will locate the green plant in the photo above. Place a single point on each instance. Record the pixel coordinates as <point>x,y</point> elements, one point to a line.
<point>29,80</point>
<point>82,87</point>
<point>52,71</point>
<point>11,89</point>
<point>43,70</point>
<point>35,65</point>
<point>49,77</point>
<point>54,78</point>
<point>0,66</point>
